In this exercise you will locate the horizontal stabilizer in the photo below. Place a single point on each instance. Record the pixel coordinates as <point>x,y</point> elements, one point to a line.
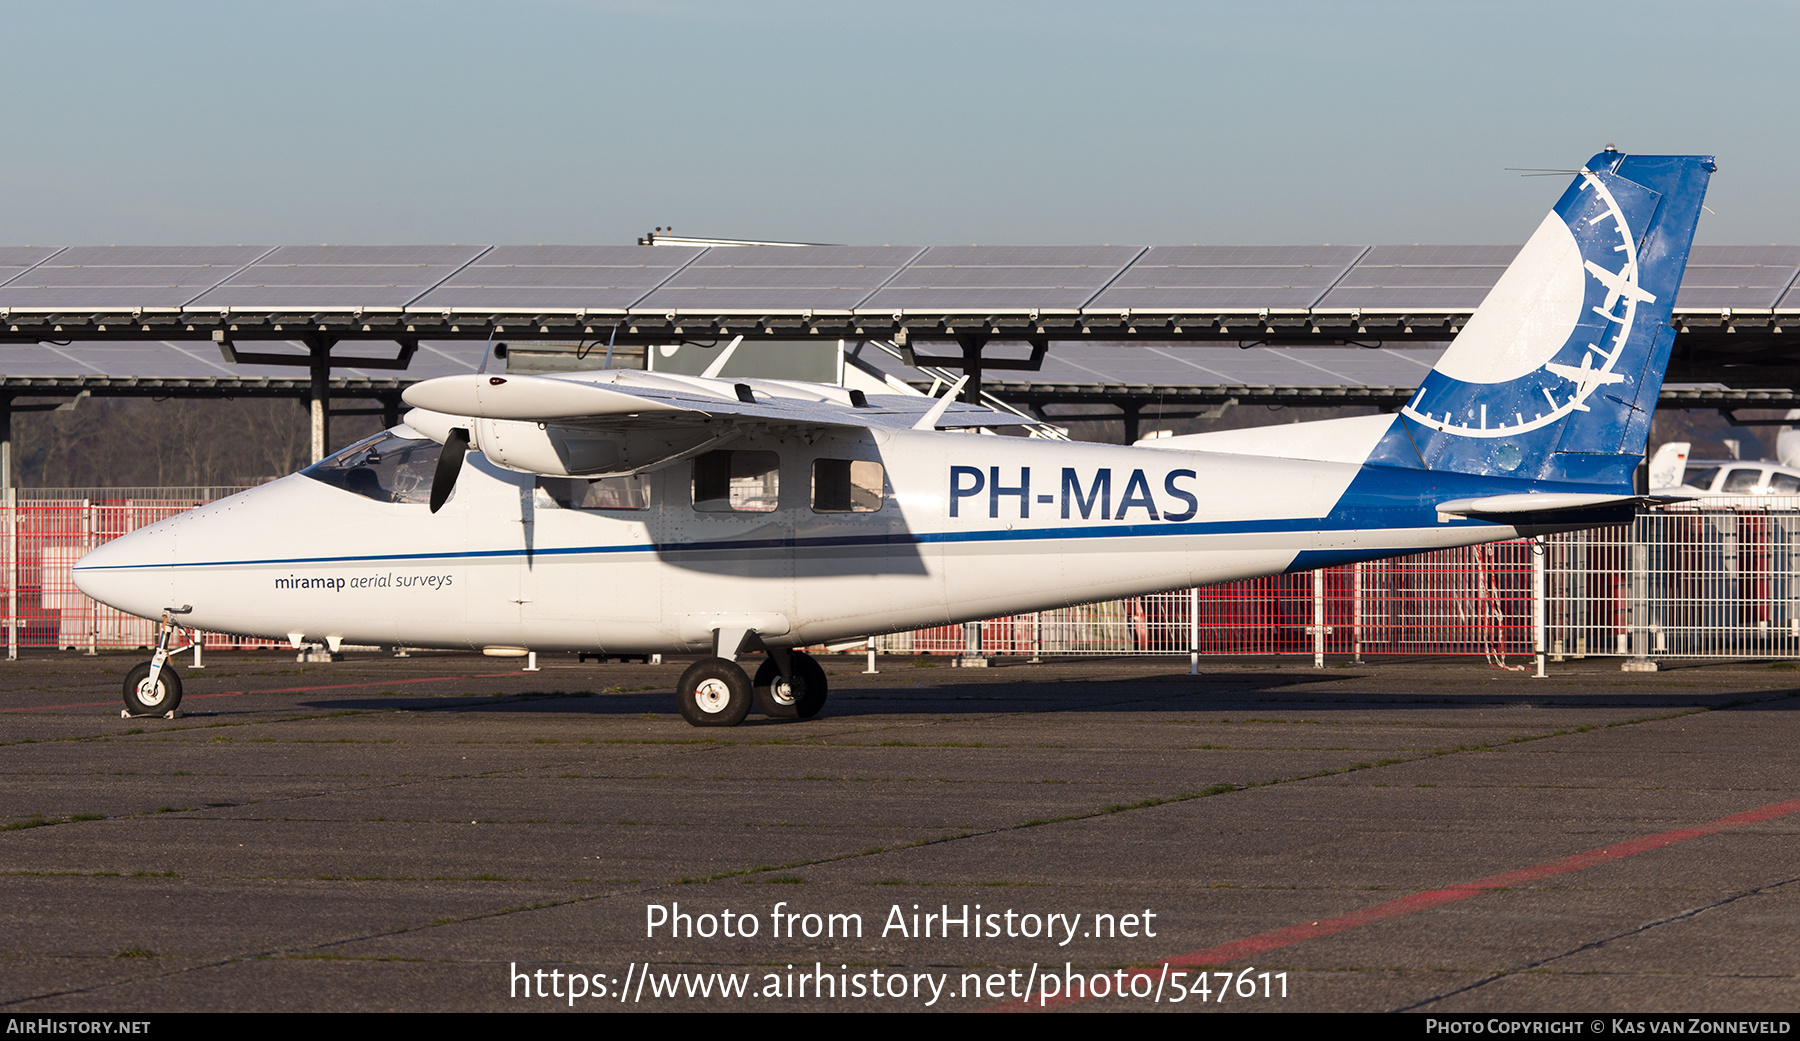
<point>1549,502</point>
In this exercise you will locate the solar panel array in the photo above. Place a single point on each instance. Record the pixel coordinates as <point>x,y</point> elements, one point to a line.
<point>1211,278</point>
<point>1740,277</point>
<point>1013,278</point>
<point>728,280</point>
<point>558,277</point>
<point>154,278</point>
<point>1419,277</point>
<point>760,279</point>
<point>305,278</point>
<point>60,294</point>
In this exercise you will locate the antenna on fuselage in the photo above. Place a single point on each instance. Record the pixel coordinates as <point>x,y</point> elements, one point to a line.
<point>487,352</point>
<point>928,421</point>
<point>718,364</point>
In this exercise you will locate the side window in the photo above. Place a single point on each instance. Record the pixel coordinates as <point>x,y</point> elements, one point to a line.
<point>1784,484</point>
<point>737,482</point>
<point>604,493</point>
<point>1740,482</point>
<point>846,486</point>
<point>1701,479</point>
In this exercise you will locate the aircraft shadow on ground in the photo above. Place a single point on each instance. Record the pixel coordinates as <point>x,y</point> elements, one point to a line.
<point>1178,693</point>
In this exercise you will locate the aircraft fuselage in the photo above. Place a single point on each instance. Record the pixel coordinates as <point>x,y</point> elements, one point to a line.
<point>965,527</point>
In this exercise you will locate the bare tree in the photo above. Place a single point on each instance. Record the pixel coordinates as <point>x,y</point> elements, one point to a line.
<point>127,442</point>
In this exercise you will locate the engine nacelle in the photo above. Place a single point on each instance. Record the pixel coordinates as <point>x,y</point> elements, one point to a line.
<point>555,450</point>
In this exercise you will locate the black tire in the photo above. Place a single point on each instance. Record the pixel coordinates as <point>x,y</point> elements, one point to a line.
<point>140,700</point>
<point>714,693</point>
<point>802,699</point>
<point>809,672</point>
<point>774,695</point>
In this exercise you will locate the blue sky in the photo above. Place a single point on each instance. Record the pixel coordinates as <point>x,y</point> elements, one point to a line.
<point>986,121</point>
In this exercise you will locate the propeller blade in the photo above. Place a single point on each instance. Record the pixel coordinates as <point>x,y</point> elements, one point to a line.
<point>449,466</point>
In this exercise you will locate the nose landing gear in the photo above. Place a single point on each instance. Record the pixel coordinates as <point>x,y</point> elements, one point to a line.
<point>145,696</point>
<point>153,688</point>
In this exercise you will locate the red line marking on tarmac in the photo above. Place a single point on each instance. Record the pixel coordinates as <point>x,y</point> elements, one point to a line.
<point>1250,946</point>
<point>277,690</point>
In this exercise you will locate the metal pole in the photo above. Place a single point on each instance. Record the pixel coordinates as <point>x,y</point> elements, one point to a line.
<point>1133,416</point>
<point>971,348</point>
<point>1194,631</point>
<point>320,397</point>
<point>12,567</point>
<point>1638,607</point>
<point>1538,613</point>
<point>974,653</point>
<point>11,501</point>
<point>1356,633</point>
<point>91,539</point>
<point>871,670</point>
<point>1792,587</point>
<point>1319,618</point>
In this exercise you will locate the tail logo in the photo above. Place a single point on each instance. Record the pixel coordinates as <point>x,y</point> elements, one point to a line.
<point>1538,348</point>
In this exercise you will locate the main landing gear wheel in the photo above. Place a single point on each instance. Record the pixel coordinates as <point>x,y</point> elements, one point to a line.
<point>800,699</point>
<point>141,699</point>
<point>714,693</point>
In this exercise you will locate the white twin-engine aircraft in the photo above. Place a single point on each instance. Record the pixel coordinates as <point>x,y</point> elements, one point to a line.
<point>636,512</point>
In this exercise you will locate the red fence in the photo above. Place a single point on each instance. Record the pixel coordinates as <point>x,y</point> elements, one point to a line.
<point>1463,601</point>
<point>40,542</point>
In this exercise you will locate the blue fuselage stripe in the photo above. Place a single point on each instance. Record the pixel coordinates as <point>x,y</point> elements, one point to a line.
<point>1126,531</point>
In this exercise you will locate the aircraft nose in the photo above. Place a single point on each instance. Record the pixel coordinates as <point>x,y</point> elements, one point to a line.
<point>133,572</point>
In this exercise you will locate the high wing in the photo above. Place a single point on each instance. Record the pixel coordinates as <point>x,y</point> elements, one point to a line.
<point>620,398</point>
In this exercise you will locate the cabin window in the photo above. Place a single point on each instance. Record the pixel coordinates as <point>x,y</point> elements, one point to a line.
<point>386,468</point>
<point>737,482</point>
<point>1740,482</point>
<point>1784,484</point>
<point>846,486</point>
<point>601,493</point>
<point>1701,479</point>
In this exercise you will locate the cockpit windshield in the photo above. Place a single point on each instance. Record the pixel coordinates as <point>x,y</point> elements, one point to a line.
<point>386,468</point>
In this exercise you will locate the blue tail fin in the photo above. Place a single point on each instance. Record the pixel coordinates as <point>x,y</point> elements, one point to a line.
<point>1556,375</point>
